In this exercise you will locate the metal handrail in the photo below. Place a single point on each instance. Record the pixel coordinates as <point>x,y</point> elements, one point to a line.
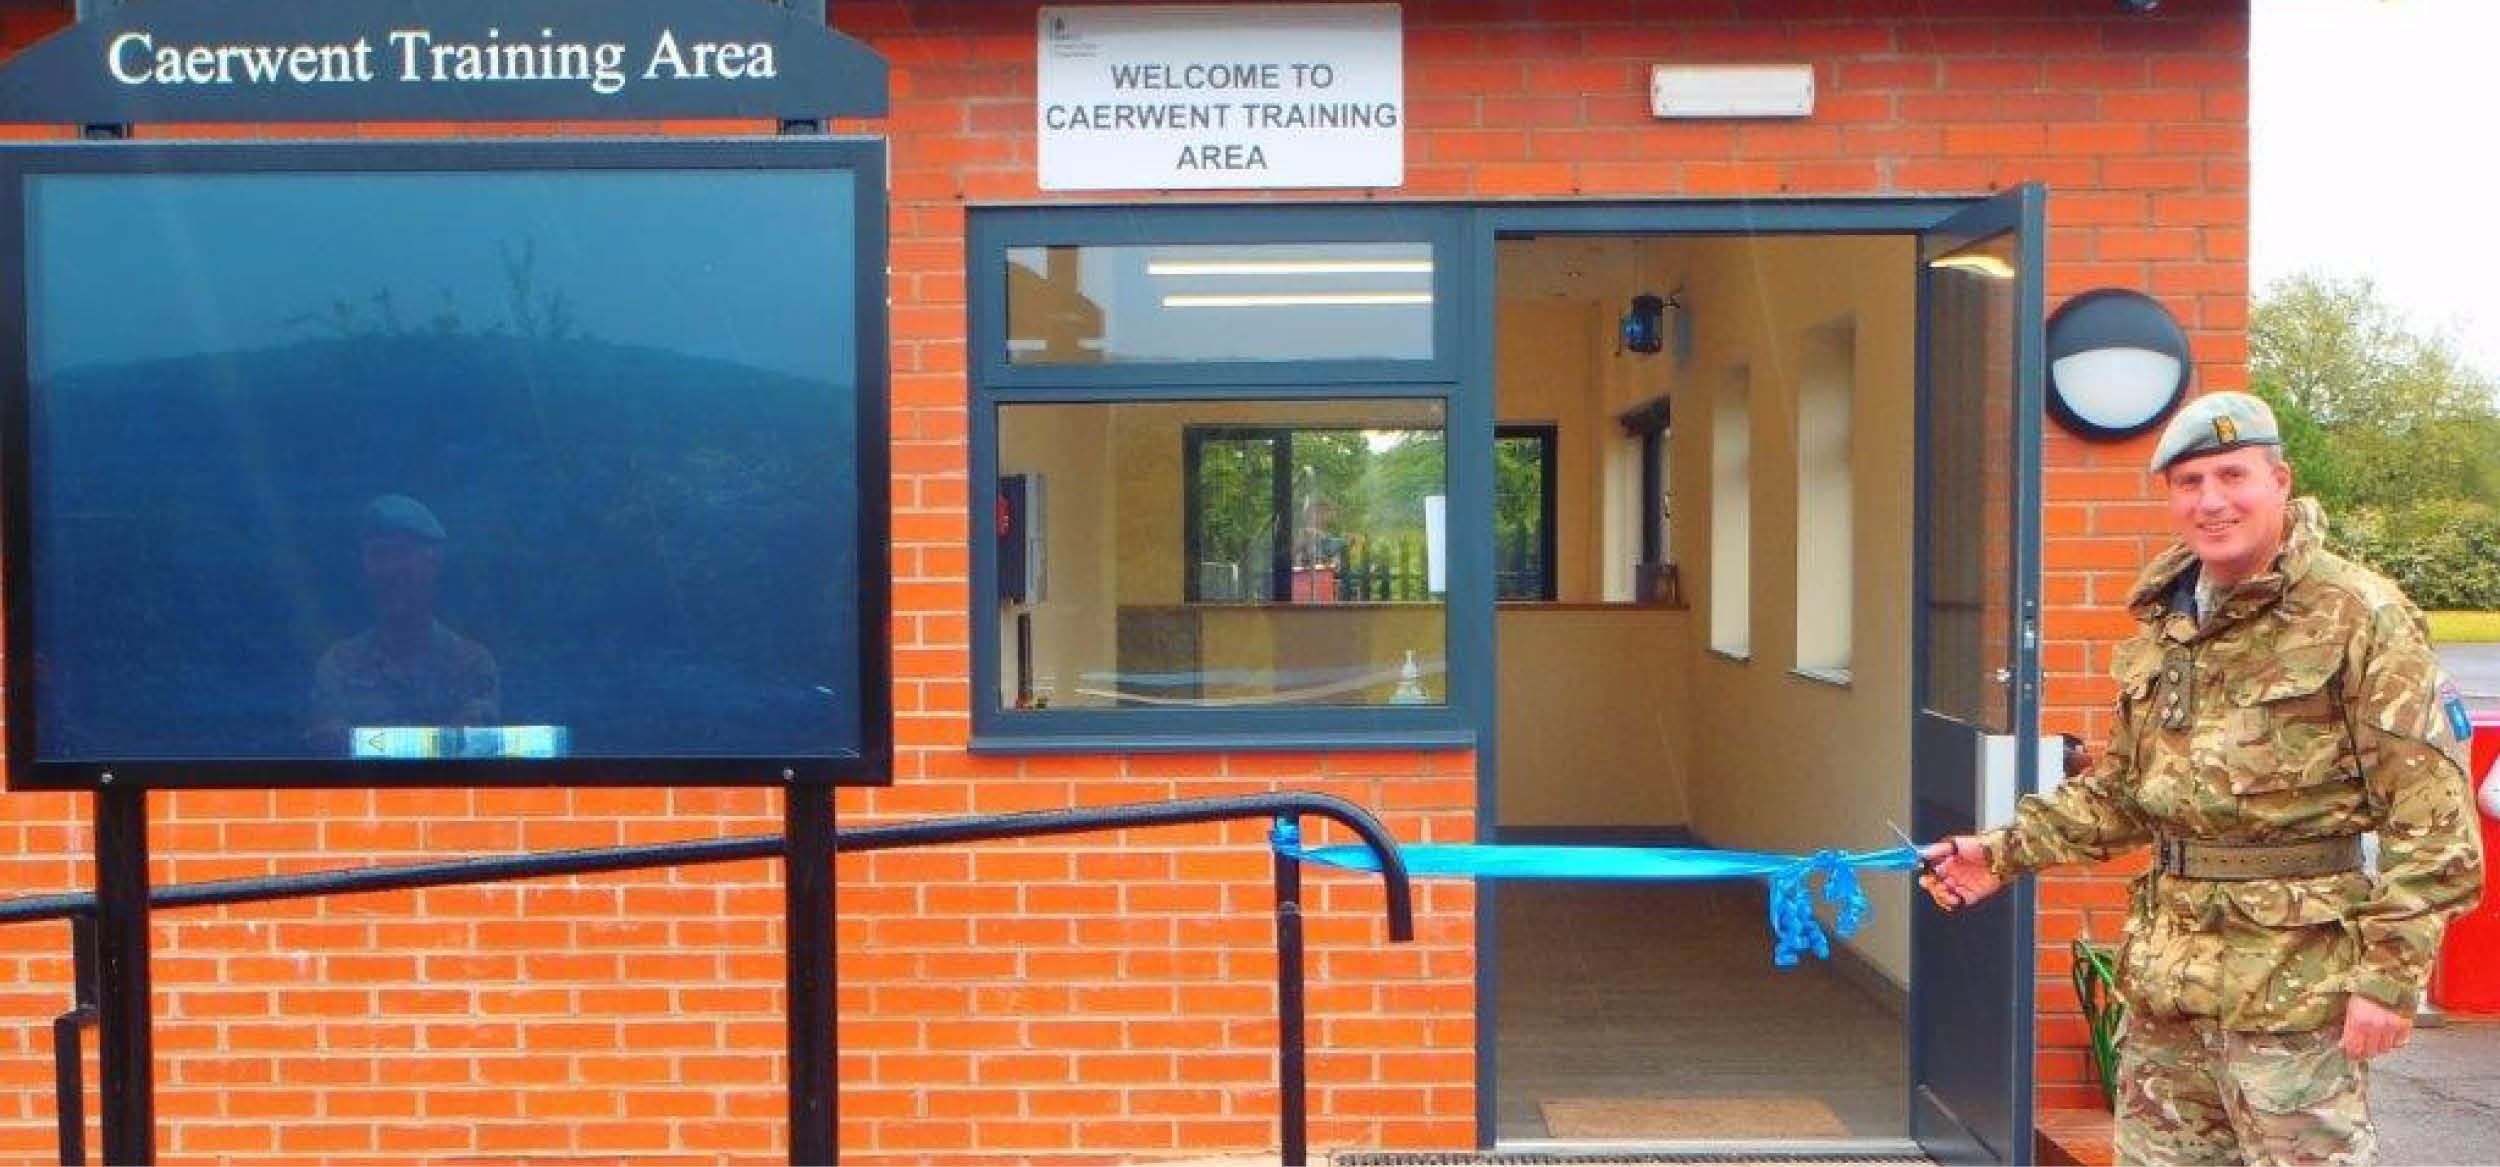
<point>1284,807</point>
<point>598,860</point>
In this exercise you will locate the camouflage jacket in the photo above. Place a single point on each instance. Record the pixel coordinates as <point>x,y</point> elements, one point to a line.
<point>2310,705</point>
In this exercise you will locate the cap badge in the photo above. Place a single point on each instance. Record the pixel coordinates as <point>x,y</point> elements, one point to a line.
<point>2226,431</point>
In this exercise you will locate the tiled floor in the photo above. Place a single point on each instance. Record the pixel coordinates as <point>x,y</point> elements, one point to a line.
<point>1666,991</point>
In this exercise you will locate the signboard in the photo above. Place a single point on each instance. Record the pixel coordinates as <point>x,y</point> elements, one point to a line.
<point>1221,97</point>
<point>444,464</point>
<point>441,60</point>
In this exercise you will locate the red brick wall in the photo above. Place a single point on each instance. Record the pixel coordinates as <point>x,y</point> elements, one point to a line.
<point>1091,998</point>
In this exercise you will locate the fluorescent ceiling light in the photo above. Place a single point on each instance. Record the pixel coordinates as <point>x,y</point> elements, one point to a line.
<point>1289,267</point>
<point>1976,261</point>
<point>1297,300</point>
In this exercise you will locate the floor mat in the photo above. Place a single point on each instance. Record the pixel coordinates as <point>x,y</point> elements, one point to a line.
<point>1784,1117</point>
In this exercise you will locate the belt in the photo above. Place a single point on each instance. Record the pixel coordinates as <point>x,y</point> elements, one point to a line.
<point>2199,859</point>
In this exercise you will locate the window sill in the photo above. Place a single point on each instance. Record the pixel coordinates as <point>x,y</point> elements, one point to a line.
<point>1836,678</point>
<point>1285,605</point>
<point>1587,606</point>
<point>1742,658</point>
<point>1011,744</point>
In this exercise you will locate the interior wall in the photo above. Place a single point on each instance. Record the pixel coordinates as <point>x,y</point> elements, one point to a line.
<point>1591,695</point>
<point>1070,451</point>
<point>1787,762</point>
<point>1592,717</point>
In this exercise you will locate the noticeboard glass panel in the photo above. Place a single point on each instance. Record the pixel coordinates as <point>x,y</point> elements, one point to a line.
<point>522,473</point>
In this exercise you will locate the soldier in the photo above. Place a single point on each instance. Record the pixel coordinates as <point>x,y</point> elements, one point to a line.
<point>408,669</point>
<point>2277,702</point>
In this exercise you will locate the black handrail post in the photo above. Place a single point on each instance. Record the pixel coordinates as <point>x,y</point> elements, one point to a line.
<point>69,1086</point>
<point>125,1047</point>
<point>807,889</point>
<point>69,1079</point>
<point>1292,1084</point>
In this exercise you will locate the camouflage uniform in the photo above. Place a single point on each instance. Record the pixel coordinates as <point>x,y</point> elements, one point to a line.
<point>2309,706</point>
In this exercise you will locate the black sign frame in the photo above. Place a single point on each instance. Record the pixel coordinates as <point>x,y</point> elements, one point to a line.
<point>872,764</point>
<point>168,61</point>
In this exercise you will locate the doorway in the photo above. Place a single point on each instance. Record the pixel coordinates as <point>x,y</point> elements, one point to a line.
<point>1741,642</point>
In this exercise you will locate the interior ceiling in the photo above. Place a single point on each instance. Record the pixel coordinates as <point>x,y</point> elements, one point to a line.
<point>1591,268</point>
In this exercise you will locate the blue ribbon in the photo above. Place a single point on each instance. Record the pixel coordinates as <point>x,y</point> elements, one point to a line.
<point>1795,883</point>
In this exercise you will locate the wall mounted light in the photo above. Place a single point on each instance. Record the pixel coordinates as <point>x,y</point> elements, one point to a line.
<point>2118,364</point>
<point>1644,324</point>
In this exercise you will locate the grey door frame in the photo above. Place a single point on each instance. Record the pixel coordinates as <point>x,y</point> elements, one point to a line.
<point>1915,217</point>
<point>1970,1075</point>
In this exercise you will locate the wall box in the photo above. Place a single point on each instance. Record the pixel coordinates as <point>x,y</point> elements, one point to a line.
<point>1731,91</point>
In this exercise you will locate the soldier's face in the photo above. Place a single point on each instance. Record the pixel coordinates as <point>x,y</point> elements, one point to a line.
<point>2229,509</point>
<point>401,574</point>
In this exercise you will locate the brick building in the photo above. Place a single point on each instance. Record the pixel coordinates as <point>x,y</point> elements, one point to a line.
<point>1084,999</point>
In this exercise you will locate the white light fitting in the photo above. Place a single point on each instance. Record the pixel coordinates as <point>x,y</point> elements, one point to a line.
<point>1731,91</point>
<point>1289,267</point>
<point>1981,262</point>
<point>1297,300</point>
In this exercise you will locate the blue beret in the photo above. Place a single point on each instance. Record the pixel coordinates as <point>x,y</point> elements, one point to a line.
<point>2214,423</point>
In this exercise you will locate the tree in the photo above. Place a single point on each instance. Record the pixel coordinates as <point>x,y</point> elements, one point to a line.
<point>2393,431</point>
<point>2388,415</point>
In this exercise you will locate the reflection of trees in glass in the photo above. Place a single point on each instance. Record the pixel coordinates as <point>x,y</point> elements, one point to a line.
<point>531,314</point>
<point>1236,519</point>
<point>1522,515</point>
<point>1349,502</point>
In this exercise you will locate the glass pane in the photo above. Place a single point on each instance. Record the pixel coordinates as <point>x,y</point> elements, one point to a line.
<point>1357,506</point>
<point>1969,658</point>
<point>1165,586</point>
<point>1522,517</point>
<point>438,464</point>
<point>1235,518</point>
<point>1081,305</point>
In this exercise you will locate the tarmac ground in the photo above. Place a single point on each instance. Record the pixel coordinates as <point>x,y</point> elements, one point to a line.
<point>2476,670</point>
<point>2437,1100</point>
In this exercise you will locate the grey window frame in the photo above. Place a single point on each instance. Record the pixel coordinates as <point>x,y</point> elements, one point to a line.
<point>996,383</point>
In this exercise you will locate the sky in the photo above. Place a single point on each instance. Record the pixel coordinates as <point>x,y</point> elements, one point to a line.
<point>2372,143</point>
<point>219,262</point>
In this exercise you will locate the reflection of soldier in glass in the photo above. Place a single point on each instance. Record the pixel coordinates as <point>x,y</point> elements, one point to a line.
<point>406,670</point>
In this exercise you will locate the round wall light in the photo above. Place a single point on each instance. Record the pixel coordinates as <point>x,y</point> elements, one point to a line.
<point>2118,364</point>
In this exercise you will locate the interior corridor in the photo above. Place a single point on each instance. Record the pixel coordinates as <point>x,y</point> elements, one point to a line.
<point>1652,1011</point>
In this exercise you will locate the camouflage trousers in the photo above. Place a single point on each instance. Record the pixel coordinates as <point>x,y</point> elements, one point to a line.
<point>2190,1091</point>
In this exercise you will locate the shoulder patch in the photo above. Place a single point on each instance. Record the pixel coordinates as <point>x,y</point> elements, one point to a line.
<point>2453,704</point>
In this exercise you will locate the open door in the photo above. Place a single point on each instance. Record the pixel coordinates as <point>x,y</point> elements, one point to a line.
<point>1976,694</point>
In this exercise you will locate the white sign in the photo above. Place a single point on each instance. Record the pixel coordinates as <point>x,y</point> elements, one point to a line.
<point>1221,97</point>
<point>1731,91</point>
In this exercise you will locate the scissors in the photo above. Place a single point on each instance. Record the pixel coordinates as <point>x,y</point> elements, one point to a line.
<point>1927,867</point>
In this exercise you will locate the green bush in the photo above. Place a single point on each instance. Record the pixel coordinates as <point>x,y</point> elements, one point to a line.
<point>2444,553</point>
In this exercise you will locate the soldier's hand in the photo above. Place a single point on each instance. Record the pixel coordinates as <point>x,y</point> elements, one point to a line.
<point>2371,1029</point>
<point>1956,872</point>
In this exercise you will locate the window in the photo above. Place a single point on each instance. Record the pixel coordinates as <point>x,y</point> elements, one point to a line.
<point>1523,512</point>
<point>1295,569</point>
<point>1731,512</point>
<point>1826,522</point>
<point>1313,516</point>
<point>1218,445</point>
<point>1654,577</point>
<point>1125,304</point>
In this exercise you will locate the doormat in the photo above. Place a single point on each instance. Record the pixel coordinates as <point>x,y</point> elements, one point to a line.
<point>1779,1116</point>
